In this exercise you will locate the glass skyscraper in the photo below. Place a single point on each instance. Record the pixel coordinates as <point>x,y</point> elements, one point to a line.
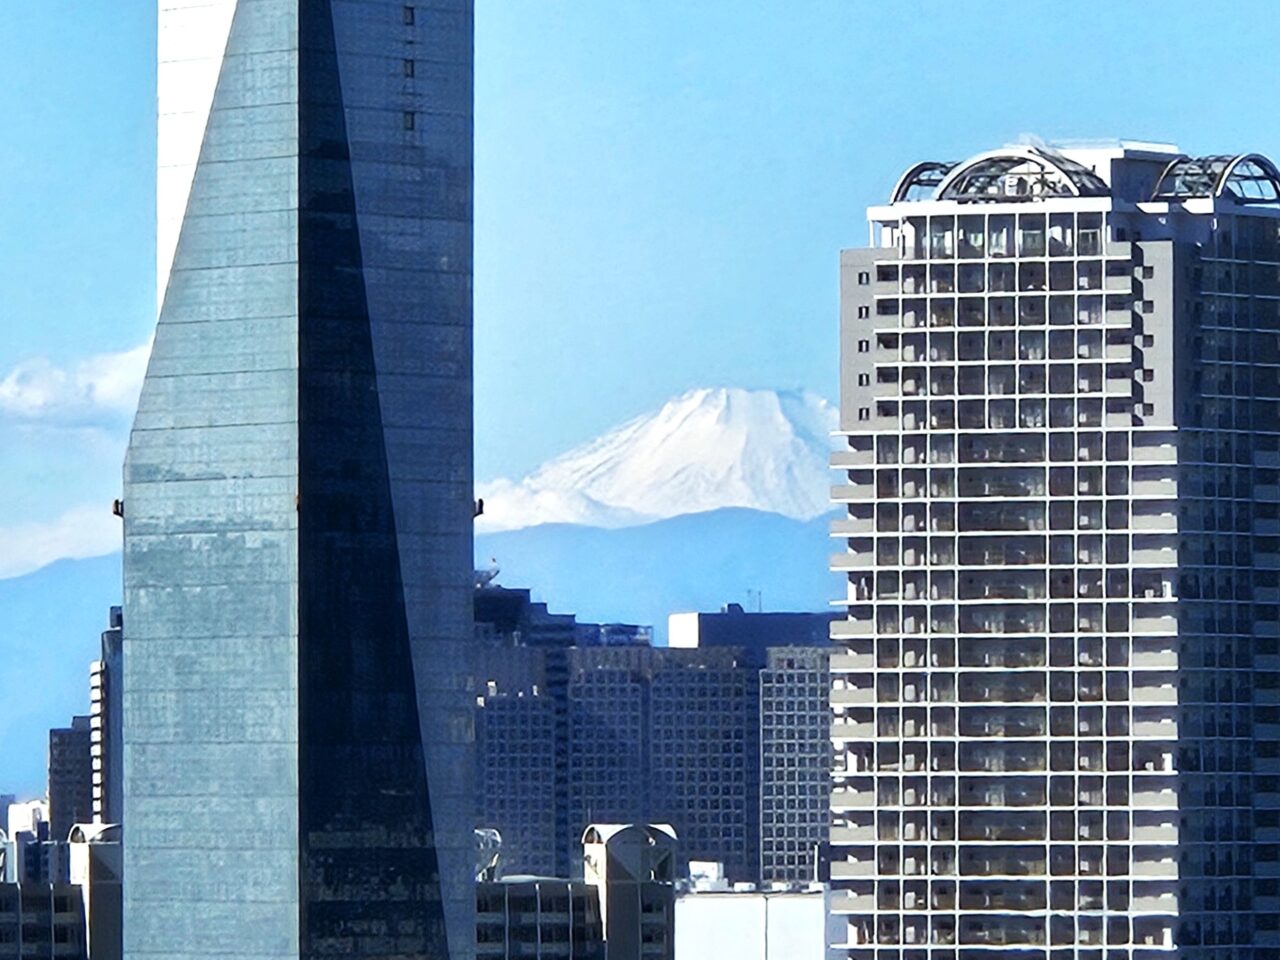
<point>298,491</point>
<point>1055,693</point>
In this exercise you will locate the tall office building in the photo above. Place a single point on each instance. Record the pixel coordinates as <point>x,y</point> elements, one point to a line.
<point>795,763</point>
<point>1057,697</point>
<point>517,753</point>
<point>70,777</point>
<point>298,490</point>
<point>704,755</point>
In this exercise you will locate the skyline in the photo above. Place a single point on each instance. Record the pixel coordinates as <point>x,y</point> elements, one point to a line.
<point>556,98</point>
<point>642,192</point>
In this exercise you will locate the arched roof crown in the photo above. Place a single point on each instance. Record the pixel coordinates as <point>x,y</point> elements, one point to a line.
<point>1019,173</point>
<point>1245,178</point>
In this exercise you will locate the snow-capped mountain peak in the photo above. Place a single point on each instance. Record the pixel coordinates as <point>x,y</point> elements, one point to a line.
<point>707,449</point>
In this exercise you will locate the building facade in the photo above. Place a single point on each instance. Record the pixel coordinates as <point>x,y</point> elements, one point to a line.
<point>539,919</point>
<point>751,924</point>
<point>106,723</point>
<point>634,867</point>
<point>516,784</point>
<point>1055,692</point>
<point>41,921</point>
<point>70,777</point>
<point>795,763</point>
<point>652,734</point>
<point>298,488</point>
<point>704,756</point>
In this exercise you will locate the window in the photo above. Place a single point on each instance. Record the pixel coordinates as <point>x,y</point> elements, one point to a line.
<point>410,68</point>
<point>408,16</point>
<point>1148,306</point>
<point>864,312</point>
<point>1148,273</point>
<point>864,413</point>
<point>410,120</point>
<point>864,346</point>
<point>864,278</point>
<point>864,379</point>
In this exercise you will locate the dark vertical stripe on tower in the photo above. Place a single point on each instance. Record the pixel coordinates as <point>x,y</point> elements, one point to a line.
<point>369,873</point>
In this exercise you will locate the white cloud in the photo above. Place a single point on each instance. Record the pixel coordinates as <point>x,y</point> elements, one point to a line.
<point>86,531</point>
<point>101,388</point>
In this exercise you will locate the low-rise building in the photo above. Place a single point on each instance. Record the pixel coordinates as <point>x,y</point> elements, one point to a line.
<point>538,918</point>
<point>747,924</point>
<point>96,862</point>
<point>635,869</point>
<point>40,920</point>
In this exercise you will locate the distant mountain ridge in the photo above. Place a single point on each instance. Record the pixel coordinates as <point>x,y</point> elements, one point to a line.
<point>708,449</point>
<point>697,562</point>
<point>719,496</point>
<point>53,619</point>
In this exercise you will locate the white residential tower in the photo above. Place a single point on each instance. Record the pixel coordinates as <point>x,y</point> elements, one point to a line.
<point>1056,695</point>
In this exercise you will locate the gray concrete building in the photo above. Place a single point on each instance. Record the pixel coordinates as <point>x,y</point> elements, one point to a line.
<point>41,921</point>
<point>298,490</point>
<point>644,734</point>
<point>517,756</point>
<point>70,777</point>
<point>795,763</point>
<point>1055,690</point>
<point>538,918</point>
<point>704,755</point>
<point>634,867</point>
<point>96,864</point>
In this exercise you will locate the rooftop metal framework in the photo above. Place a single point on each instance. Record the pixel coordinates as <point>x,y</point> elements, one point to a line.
<point>1013,174</point>
<point>920,181</point>
<point>1246,178</point>
<point>1019,173</point>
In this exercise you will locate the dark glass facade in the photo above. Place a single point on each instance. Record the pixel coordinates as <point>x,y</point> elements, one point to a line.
<point>298,719</point>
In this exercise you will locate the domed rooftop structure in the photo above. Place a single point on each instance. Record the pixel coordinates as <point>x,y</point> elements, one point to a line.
<point>1020,173</point>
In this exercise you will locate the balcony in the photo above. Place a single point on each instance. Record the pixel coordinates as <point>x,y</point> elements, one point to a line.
<point>1154,862</point>
<point>842,730</point>
<point>852,492</point>
<point>852,869</point>
<point>853,798</point>
<point>994,722</point>
<point>850,560</point>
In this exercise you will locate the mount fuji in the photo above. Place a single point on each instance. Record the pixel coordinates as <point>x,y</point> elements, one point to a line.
<point>719,496</point>
<point>705,450</point>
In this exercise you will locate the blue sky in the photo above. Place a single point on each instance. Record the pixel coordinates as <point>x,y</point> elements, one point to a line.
<point>662,189</point>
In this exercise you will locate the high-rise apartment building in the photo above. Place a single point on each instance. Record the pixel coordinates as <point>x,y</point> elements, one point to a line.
<point>106,722</point>
<point>1056,694</point>
<point>70,777</point>
<point>298,490</point>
